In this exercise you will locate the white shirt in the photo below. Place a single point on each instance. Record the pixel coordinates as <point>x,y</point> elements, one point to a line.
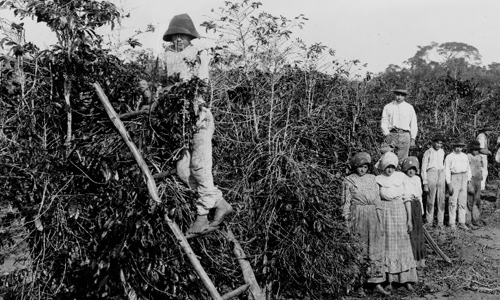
<point>414,189</point>
<point>433,159</point>
<point>192,61</point>
<point>456,163</point>
<point>400,115</point>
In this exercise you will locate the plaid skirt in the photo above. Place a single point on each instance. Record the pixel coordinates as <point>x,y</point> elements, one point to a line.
<point>399,261</point>
<point>369,230</point>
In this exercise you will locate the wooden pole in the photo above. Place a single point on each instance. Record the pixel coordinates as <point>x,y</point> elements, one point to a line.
<point>246,268</point>
<point>153,192</point>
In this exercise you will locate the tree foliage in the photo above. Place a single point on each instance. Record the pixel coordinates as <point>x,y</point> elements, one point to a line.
<point>287,122</point>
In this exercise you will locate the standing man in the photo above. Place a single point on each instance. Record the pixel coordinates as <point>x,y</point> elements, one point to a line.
<point>183,60</point>
<point>483,139</point>
<point>399,124</point>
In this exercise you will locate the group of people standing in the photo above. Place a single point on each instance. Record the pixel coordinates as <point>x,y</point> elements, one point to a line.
<point>387,212</point>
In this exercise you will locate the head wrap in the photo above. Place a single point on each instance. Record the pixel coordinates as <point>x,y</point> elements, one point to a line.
<point>410,162</point>
<point>389,158</point>
<point>360,159</point>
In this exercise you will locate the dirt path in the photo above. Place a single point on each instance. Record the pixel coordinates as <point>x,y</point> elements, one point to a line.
<point>475,271</point>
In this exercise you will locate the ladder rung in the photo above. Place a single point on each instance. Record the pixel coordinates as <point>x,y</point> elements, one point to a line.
<point>236,292</point>
<point>210,229</point>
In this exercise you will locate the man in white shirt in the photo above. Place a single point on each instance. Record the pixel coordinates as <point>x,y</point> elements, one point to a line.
<point>483,139</point>
<point>433,180</point>
<point>399,124</point>
<point>458,174</point>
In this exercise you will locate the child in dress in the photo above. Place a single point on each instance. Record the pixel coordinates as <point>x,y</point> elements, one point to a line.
<point>417,239</point>
<point>361,208</point>
<point>400,264</point>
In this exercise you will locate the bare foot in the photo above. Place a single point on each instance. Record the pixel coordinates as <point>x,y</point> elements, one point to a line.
<point>388,287</point>
<point>200,225</point>
<point>409,287</point>
<point>221,210</point>
<point>381,290</point>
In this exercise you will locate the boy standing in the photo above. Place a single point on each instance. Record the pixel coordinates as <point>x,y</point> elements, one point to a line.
<point>194,167</point>
<point>457,174</point>
<point>474,186</point>
<point>433,179</point>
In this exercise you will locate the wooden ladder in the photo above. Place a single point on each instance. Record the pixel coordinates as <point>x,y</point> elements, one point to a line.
<point>248,274</point>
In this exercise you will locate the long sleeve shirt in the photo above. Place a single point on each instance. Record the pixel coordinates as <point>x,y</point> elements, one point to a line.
<point>415,189</point>
<point>359,190</point>
<point>399,115</point>
<point>433,159</point>
<point>192,61</point>
<point>456,163</point>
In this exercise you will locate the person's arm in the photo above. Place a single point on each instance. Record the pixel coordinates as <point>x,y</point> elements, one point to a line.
<point>346,201</point>
<point>384,123</point>
<point>413,127</point>
<point>407,197</point>
<point>425,163</point>
<point>409,222</point>
<point>447,173</point>
<point>469,172</point>
<point>204,60</point>
<point>482,139</point>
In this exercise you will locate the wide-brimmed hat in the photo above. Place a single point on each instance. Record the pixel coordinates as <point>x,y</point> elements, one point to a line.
<point>474,145</point>
<point>180,24</point>
<point>360,159</point>
<point>438,137</point>
<point>400,90</point>
<point>458,142</point>
<point>410,162</point>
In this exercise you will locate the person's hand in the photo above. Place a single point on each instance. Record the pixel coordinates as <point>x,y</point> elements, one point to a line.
<point>388,139</point>
<point>426,188</point>
<point>470,188</point>
<point>450,189</point>
<point>409,225</point>
<point>412,143</point>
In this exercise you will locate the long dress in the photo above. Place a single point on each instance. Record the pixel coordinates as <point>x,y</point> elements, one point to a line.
<point>361,199</point>
<point>399,263</point>
<point>417,234</point>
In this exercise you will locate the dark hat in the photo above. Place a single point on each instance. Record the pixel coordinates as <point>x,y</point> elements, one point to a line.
<point>180,24</point>
<point>438,137</point>
<point>486,128</point>
<point>458,142</point>
<point>410,162</point>
<point>360,159</point>
<point>400,90</point>
<point>474,145</point>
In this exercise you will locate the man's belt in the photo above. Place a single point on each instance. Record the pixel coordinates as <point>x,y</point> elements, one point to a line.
<point>398,130</point>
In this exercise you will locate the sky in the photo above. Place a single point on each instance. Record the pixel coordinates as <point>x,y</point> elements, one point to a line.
<point>376,32</point>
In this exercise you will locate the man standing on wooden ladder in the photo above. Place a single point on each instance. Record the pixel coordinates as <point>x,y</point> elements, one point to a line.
<point>399,124</point>
<point>194,166</point>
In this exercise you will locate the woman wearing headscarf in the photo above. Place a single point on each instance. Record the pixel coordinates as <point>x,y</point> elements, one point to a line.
<point>362,210</point>
<point>399,262</point>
